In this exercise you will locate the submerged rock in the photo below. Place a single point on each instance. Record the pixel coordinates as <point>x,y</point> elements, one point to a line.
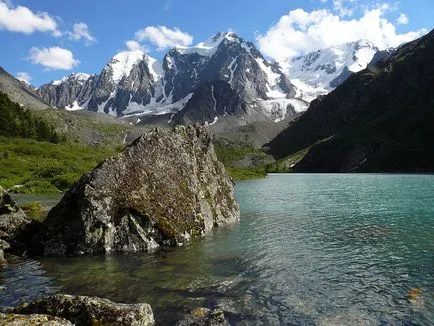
<point>34,320</point>
<point>164,189</point>
<point>204,317</point>
<point>83,310</point>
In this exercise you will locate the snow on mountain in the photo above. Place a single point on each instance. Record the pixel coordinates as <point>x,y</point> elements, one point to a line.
<point>79,76</point>
<point>133,83</point>
<point>209,47</point>
<point>122,63</point>
<point>319,72</point>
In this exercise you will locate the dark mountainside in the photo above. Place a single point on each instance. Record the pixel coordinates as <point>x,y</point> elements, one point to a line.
<point>380,119</point>
<point>210,100</point>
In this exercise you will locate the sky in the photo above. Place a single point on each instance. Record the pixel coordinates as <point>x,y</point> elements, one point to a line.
<point>45,40</point>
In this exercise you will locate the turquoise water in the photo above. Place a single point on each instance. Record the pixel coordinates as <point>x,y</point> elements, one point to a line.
<point>310,249</point>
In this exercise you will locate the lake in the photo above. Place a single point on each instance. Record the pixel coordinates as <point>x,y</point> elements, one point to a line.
<point>310,249</point>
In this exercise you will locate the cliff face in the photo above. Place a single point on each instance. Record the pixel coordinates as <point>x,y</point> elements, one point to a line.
<point>380,119</point>
<point>164,189</point>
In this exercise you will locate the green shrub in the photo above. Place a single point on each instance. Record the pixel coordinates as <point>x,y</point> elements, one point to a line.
<point>65,181</point>
<point>36,187</point>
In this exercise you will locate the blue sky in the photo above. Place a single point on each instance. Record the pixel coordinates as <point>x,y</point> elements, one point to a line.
<point>48,39</point>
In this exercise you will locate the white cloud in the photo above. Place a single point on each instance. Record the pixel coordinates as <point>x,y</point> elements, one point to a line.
<point>23,20</point>
<point>53,58</point>
<point>134,45</point>
<point>344,7</point>
<point>402,19</point>
<point>163,37</point>
<point>24,77</point>
<point>300,31</point>
<point>81,31</point>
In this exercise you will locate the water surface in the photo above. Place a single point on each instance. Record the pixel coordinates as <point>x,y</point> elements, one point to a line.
<point>310,249</point>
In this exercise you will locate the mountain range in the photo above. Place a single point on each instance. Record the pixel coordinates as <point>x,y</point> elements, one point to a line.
<point>368,110</point>
<point>223,76</point>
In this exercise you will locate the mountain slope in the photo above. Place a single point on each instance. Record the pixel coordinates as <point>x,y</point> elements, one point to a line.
<point>380,119</point>
<point>19,92</point>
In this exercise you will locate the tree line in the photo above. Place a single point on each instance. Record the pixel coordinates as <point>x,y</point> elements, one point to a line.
<point>16,121</point>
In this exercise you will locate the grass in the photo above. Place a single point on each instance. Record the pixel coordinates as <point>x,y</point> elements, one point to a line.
<point>247,173</point>
<point>30,166</point>
<point>227,154</point>
<point>285,164</point>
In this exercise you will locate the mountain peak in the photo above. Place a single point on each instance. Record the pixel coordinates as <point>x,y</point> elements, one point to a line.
<point>220,36</point>
<point>122,63</point>
<point>209,47</point>
<point>78,76</point>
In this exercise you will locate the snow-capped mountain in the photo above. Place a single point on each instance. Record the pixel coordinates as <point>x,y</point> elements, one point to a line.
<point>319,72</point>
<point>133,83</point>
<point>67,92</point>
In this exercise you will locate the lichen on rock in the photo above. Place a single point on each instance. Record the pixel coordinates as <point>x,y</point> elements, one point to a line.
<point>162,190</point>
<point>33,320</point>
<point>84,310</point>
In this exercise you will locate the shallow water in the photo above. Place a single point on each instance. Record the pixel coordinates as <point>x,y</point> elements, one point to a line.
<point>46,201</point>
<point>311,249</point>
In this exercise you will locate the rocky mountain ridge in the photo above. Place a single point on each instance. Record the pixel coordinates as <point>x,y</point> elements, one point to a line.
<point>133,83</point>
<point>319,72</point>
<point>180,88</point>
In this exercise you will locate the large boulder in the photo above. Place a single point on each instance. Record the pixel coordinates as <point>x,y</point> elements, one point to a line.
<point>83,310</point>
<point>164,189</point>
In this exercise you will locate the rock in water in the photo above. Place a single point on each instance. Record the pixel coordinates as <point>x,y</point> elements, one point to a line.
<point>12,217</point>
<point>12,222</point>
<point>164,189</point>
<point>83,310</point>
<point>204,317</point>
<point>34,320</point>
